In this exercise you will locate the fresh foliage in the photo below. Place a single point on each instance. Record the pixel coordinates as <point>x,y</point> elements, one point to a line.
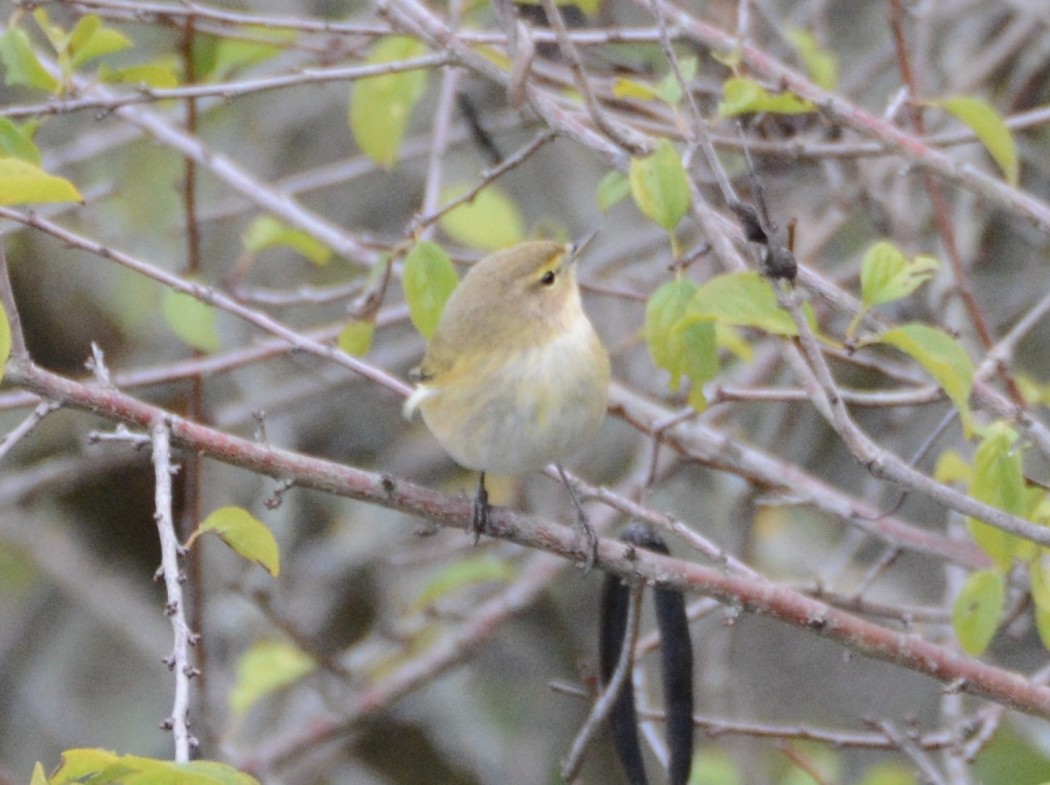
<point>428,278</point>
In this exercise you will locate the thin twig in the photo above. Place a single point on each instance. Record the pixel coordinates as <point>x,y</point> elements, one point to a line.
<point>179,659</point>
<point>570,767</point>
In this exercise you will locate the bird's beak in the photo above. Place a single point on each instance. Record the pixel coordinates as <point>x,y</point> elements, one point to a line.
<point>576,249</point>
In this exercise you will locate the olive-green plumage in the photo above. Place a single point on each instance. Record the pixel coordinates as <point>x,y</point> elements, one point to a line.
<point>515,376</point>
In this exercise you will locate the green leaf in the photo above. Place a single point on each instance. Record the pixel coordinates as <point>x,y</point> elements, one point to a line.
<point>885,275</point>
<point>356,337</point>
<point>100,767</point>
<point>21,64</point>
<point>265,668</point>
<point>669,89</point>
<point>90,40</point>
<point>746,96</point>
<point>699,357</point>
<point>246,534</point>
<point>56,35</point>
<point>220,57</point>
<point>943,358</point>
<point>660,186</point>
<point>1042,626</point>
<point>612,190</point>
<point>742,299</point>
<point>465,572</point>
<point>989,128</point>
<point>191,320</point>
<point>39,777</point>
<point>889,774</point>
<point>381,106</point>
<point>24,183</point>
<point>489,222</point>
<point>17,142</point>
<point>714,767</point>
<point>821,65</point>
<point>267,232</point>
<point>665,309</point>
<point>5,340</point>
<point>428,279</point>
<point>1039,578</point>
<point>951,468</point>
<point>161,74</point>
<point>998,480</point>
<point>79,765</point>
<point>977,610</point>
<point>632,88</point>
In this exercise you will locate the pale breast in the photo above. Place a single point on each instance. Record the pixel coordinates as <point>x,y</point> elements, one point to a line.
<point>521,412</point>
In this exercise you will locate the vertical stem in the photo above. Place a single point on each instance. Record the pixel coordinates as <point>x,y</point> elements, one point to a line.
<point>192,463</point>
<point>175,608</point>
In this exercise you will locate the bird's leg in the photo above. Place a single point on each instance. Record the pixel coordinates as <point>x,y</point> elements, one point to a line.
<point>479,520</point>
<point>582,527</point>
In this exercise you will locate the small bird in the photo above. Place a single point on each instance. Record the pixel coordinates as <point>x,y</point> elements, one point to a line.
<point>514,377</point>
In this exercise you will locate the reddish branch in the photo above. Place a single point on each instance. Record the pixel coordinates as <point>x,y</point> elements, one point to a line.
<point>757,595</point>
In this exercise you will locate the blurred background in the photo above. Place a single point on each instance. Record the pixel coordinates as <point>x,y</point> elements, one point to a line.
<point>373,629</point>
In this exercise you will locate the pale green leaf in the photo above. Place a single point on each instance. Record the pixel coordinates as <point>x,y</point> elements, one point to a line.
<point>81,765</point>
<point>100,767</point>
<point>699,357</point>
<point>267,232</point>
<point>356,337</point>
<point>5,340</point>
<point>489,222</point>
<point>612,190</point>
<point>39,777</point>
<point>977,610</point>
<point>428,279</point>
<point>660,186</point>
<point>81,34</point>
<point>632,88</point>
<point>24,183</point>
<point>1039,579</point>
<point>218,773</point>
<point>742,299</point>
<point>226,55</point>
<point>1042,626</point>
<point>665,309</point>
<point>989,128</point>
<point>732,340</point>
<point>464,572</point>
<point>265,668</point>
<point>714,767</point>
<point>821,65</point>
<point>21,65</point>
<point>193,321</point>
<point>943,358</point>
<point>746,96</point>
<point>17,142</point>
<point>998,480</point>
<point>889,774</point>
<point>886,275</point>
<point>161,74</point>
<point>56,35</point>
<point>669,89</point>
<point>951,468</point>
<point>381,106</point>
<point>246,534</point>
<point>96,41</point>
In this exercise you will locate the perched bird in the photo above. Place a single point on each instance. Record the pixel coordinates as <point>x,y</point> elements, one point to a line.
<point>514,377</point>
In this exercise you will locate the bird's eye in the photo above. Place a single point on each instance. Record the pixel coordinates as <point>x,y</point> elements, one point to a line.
<point>547,278</point>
